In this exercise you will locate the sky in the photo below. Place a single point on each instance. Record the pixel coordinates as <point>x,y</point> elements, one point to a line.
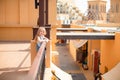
<point>82,5</point>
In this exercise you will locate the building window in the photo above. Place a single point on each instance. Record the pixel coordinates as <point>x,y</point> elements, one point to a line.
<point>101,8</point>
<point>104,8</point>
<point>93,7</point>
<point>117,8</point>
<point>89,6</point>
<point>97,9</point>
<point>112,8</point>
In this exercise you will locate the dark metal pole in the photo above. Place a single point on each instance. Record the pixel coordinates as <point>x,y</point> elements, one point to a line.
<point>43,13</point>
<point>41,19</point>
<point>43,16</point>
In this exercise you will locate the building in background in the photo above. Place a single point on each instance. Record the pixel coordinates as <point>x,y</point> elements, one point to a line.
<point>96,10</point>
<point>68,12</point>
<point>114,13</point>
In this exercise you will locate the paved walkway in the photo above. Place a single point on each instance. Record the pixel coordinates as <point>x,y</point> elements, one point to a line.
<point>66,61</point>
<point>67,64</point>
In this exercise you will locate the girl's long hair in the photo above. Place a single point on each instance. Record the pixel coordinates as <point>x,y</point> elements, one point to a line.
<point>38,32</point>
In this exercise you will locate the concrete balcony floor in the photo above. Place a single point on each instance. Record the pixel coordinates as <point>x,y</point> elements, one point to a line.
<point>15,61</point>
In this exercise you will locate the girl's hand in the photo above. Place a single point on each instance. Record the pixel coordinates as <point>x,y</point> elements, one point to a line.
<point>46,39</point>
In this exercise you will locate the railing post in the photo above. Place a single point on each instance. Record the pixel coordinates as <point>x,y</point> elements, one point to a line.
<point>48,47</point>
<point>47,57</point>
<point>53,36</point>
<point>33,50</point>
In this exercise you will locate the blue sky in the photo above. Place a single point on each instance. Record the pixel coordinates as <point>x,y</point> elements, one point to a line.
<point>82,4</point>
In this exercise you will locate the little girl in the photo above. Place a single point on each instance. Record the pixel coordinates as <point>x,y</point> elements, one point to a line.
<point>40,37</point>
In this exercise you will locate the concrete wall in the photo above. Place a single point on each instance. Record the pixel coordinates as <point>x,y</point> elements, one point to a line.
<point>72,50</point>
<point>17,17</point>
<point>16,32</point>
<point>110,53</point>
<point>18,12</point>
<point>71,46</point>
<point>52,18</point>
<point>92,46</point>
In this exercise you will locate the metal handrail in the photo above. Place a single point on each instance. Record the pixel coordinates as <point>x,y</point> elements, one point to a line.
<point>55,76</point>
<point>36,71</point>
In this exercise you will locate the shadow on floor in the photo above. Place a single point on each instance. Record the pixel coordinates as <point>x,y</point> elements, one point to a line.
<point>67,63</point>
<point>16,75</point>
<point>78,76</point>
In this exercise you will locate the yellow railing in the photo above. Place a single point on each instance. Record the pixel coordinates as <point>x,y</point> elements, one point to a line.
<point>36,71</point>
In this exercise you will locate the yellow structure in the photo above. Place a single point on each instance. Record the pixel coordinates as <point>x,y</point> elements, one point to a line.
<point>110,53</point>
<point>109,48</point>
<point>17,18</point>
<point>18,12</point>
